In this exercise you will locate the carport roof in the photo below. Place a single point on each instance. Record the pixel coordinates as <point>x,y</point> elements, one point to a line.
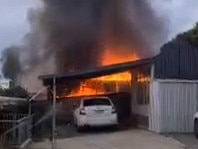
<point>5,101</point>
<point>95,72</point>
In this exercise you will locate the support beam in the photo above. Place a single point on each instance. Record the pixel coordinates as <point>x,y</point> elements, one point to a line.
<point>54,115</point>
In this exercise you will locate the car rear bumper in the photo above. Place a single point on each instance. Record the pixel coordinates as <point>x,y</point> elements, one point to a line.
<point>98,121</point>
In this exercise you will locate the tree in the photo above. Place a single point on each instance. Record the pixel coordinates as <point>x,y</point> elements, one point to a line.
<point>11,62</point>
<point>191,35</point>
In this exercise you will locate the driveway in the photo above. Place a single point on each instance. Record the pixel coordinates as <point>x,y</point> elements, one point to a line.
<point>131,139</point>
<point>189,140</point>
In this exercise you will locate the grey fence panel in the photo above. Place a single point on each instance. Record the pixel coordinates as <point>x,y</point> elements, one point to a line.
<point>19,131</point>
<point>178,60</point>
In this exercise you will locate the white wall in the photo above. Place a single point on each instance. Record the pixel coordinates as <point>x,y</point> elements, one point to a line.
<point>172,105</point>
<point>140,110</point>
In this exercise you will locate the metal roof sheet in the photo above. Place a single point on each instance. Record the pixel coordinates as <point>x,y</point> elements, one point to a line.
<point>96,72</point>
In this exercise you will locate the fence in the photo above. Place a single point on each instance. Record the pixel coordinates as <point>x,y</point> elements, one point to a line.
<point>172,106</point>
<point>15,129</point>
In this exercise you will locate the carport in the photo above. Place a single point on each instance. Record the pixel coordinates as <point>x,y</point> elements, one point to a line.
<point>96,72</point>
<point>140,71</point>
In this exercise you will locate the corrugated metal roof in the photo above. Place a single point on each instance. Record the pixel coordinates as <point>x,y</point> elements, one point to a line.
<point>178,60</point>
<point>96,72</point>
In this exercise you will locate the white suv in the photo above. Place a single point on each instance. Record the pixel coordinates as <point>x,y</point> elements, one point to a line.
<point>95,111</point>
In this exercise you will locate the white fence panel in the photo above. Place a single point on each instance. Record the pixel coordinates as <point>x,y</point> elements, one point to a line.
<point>154,117</point>
<point>173,104</point>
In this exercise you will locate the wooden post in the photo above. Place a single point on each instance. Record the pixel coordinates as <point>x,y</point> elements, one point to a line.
<point>20,133</point>
<point>29,115</point>
<point>54,115</point>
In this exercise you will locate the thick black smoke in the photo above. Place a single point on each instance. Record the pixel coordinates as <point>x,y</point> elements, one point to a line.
<point>75,32</point>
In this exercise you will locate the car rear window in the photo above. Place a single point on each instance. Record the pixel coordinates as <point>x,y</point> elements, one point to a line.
<point>96,101</point>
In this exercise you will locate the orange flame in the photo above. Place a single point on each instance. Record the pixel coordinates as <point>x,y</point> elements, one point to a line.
<point>103,85</point>
<point>86,90</point>
<point>107,84</point>
<point>121,77</point>
<point>109,57</point>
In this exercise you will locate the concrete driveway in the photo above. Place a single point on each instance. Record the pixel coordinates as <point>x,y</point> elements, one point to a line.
<point>188,140</point>
<point>131,139</point>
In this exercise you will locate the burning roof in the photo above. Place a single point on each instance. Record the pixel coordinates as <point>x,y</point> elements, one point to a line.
<point>96,72</point>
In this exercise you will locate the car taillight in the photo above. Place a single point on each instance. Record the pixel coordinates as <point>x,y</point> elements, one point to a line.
<point>113,110</point>
<point>82,111</point>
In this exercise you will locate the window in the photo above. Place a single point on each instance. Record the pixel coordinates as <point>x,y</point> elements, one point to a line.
<point>143,89</point>
<point>96,101</point>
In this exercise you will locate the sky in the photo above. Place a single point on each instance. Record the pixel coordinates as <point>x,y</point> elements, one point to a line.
<point>179,16</point>
<point>13,21</point>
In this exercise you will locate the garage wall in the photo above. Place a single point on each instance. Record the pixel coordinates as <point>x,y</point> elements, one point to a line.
<point>140,109</point>
<point>172,105</point>
<point>140,97</point>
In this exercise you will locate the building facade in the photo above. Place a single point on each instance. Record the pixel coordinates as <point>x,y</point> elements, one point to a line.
<point>164,96</point>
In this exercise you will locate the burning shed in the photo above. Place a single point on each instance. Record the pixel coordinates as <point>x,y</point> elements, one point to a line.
<point>163,88</point>
<point>107,79</point>
<point>115,81</point>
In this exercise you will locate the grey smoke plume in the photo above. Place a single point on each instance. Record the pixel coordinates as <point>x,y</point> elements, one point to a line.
<point>75,32</point>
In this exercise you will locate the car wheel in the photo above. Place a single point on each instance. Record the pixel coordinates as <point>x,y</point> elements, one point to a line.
<point>196,128</point>
<point>80,128</point>
<point>115,127</point>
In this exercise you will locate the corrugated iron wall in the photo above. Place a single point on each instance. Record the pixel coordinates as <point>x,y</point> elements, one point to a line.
<point>172,105</point>
<point>178,60</point>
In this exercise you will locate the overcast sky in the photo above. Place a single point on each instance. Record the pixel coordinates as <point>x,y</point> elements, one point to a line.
<point>180,14</point>
<point>13,22</point>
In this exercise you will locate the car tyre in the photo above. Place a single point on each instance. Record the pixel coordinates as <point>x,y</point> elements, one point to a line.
<point>80,129</point>
<point>196,128</point>
<point>115,127</point>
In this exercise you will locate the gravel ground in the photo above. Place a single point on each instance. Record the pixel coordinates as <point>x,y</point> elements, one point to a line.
<point>130,139</point>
